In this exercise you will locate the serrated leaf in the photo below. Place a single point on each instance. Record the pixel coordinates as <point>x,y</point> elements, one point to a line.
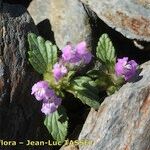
<point>41,53</point>
<point>85,89</point>
<point>57,124</point>
<point>105,50</point>
<point>51,54</point>
<point>36,65</point>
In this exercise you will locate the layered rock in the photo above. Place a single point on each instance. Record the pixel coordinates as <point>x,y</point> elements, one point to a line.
<point>129,17</point>
<point>123,120</point>
<point>19,117</point>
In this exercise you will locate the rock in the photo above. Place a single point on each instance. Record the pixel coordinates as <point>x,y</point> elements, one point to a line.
<point>123,120</point>
<point>25,3</point>
<point>68,19</point>
<point>130,17</point>
<point>40,13</point>
<point>19,116</point>
<point>69,147</point>
<point>39,10</point>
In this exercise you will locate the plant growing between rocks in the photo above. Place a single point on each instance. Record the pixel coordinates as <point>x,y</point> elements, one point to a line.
<point>60,75</point>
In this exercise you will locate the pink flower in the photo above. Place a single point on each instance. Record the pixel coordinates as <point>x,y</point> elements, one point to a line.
<point>126,68</point>
<point>69,54</point>
<point>51,105</point>
<point>59,71</point>
<point>42,91</point>
<point>83,52</point>
<point>76,54</point>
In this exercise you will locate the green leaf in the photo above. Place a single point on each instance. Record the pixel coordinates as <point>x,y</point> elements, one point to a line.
<point>93,73</point>
<point>111,90</point>
<point>85,89</point>
<point>57,124</point>
<point>105,50</point>
<point>51,54</point>
<point>42,54</point>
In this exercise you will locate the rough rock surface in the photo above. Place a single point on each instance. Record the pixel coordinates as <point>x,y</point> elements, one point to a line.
<point>39,10</point>
<point>130,17</point>
<point>19,117</point>
<point>123,120</point>
<point>68,19</point>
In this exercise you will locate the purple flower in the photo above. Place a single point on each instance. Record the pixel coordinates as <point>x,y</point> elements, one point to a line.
<point>59,71</point>
<point>41,90</point>
<point>69,54</point>
<point>125,68</point>
<point>51,105</point>
<point>83,52</point>
<point>76,54</point>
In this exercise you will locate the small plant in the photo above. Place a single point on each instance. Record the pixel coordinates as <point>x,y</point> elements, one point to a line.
<point>60,75</point>
<point>110,75</point>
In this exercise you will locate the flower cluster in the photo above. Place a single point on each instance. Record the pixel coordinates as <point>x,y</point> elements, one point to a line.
<point>126,68</point>
<point>43,92</point>
<point>76,54</point>
<point>71,56</point>
<point>59,70</point>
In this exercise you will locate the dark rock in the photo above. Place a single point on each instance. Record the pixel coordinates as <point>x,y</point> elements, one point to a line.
<point>19,116</point>
<point>24,3</point>
<point>131,18</point>
<point>123,120</point>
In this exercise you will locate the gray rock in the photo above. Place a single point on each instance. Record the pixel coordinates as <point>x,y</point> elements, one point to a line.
<point>123,120</point>
<point>39,10</point>
<point>129,17</point>
<point>68,19</point>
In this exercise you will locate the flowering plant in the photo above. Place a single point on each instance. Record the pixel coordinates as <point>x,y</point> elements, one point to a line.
<point>60,75</point>
<point>108,73</point>
<point>60,70</point>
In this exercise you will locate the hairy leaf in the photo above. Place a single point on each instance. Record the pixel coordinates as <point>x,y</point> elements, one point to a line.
<point>105,49</point>
<point>42,54</point>
<point>85,89</point>
<point>57,124</point>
